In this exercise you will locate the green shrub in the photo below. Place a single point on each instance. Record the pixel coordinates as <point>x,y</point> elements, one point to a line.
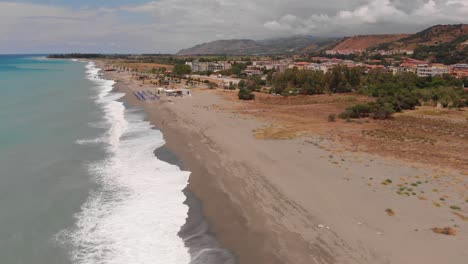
<point>331,118</point>
<point>246,94</point>
<point>384,111</point>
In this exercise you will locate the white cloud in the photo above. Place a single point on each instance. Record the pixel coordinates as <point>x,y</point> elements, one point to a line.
<point>379,16</point>
<point>168,25</point>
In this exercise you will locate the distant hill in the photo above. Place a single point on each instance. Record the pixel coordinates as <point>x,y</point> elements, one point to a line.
<point>363,42</point>
<point>441,43</point>
<point>432,36</point>
<point>294,44</point>
<point>435,35</point>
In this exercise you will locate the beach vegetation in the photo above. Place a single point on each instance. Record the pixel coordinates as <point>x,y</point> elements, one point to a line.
<point>392,93</point>
<point>448,231</point>
<point>461,216</point>
<point>390,212</point>
<point>246,94</point>
<point>212,85</point>
<point>454,207</point>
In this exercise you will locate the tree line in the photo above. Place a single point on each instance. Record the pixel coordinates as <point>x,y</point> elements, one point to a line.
<point>393,92</point>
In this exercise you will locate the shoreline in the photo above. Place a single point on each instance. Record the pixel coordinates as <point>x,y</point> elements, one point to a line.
<point>282,201</point>
<point>196,231</point>
<point>203,184</point>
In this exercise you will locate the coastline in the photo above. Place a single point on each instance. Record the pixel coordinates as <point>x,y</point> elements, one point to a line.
<point>225,220</point>
<point>196,232</point>
<point>306,211</point>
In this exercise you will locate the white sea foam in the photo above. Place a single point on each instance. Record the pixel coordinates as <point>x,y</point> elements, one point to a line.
<point>136,213</point>
<point>91,141</point>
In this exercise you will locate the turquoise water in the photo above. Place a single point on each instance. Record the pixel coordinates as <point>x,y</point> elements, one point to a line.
<point>79,179</point>
<point>44,180</point>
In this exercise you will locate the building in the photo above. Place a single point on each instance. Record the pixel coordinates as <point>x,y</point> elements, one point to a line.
<point>299,65</point>
<point>344,52</point>
<point>393,52</point>
<point>215,66</point>
<point>198,66</point>
<point>253,72</point>
<point>410,65</point>
<point>426,70</point>
<point>317,67</point>
<point>459,70</point>
<point>208,66</point>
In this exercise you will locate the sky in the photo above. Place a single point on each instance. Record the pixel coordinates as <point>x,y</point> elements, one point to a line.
<point>166,26</point>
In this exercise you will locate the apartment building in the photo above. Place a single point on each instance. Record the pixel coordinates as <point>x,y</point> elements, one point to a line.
<point>426,70</point>
<point>208,66</point>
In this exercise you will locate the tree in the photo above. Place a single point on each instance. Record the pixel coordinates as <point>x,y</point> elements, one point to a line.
<point>246,94</point>
<point>182,69</point>
<point>242,84</point>
<point>237,68</point>
<point>232,86</point>
<point>338,82</point>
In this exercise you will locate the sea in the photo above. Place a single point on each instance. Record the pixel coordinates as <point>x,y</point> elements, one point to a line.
<point>85,178</point>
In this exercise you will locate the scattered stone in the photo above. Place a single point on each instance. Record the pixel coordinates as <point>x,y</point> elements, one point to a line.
<point>320,226</point>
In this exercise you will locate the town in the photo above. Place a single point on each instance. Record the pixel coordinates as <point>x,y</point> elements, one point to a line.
<point>324,64</point>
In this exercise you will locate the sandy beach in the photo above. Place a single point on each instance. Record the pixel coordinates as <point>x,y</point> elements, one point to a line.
<point>297,200</point>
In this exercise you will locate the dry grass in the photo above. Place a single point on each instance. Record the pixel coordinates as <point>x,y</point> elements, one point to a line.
<point>417,138</point>
<point>390,212</point>
<point>461,216</point>
<point>449,231</point>
<point>426,135</point>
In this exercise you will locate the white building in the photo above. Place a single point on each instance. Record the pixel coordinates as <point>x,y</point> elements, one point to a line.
<point>425,70</point>
<point>208,66</point>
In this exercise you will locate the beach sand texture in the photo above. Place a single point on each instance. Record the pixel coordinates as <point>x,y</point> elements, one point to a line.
<point>292,201</point>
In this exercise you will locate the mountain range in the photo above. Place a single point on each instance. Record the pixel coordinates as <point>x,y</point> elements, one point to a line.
<point>456,36</point>
<point>286,45</point>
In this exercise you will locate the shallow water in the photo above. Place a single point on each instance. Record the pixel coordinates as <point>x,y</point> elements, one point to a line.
<point>79,179</point>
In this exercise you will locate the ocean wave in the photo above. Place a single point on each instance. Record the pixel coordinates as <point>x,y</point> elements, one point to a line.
<point>91,141</point>
<point>138,210</point>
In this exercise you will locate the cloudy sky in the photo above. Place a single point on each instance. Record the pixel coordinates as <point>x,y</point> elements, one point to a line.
<point>165,26</point>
